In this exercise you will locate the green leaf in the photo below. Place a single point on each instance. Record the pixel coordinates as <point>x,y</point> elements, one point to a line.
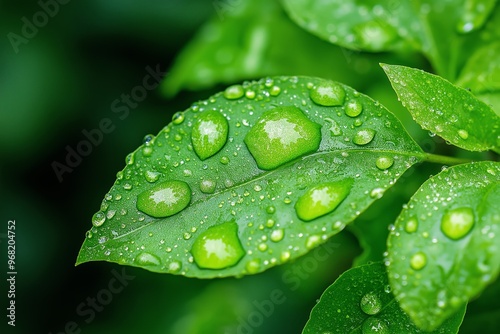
<point>360,301</point>
<point>241,219</point>
<point>250,40</point>
<point>481,73</point>
<point>389,25</point>
<point>444,249</point>
<point>451,112</point>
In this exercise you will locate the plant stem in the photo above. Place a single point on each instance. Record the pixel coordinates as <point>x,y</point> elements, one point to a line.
<point>445,160</point>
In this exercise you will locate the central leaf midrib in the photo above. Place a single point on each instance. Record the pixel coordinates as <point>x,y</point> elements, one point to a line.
<point>419,155</point>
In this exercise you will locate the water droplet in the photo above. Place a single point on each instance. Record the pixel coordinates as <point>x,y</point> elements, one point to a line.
<point>270,209</point>
<point>147,259</point>
<point>463,134</point>
<point>275,91</point>
<point>285,256</point>
<point>371,303</point>
<point>98,219</point>
<point>457,223</point>
<point>328,94</point>
<point>110,214</point>
<point>353,108</point>
<point>363,137</point>
<point>224,160</point>
<point>250,94</point>
<point>209,133</point>
<point>418,260</point>
<point>174,266</point>
<point>218,247</point>
<point>373,325</point>
<point>178,118</point>
<point>334,128</point>
<point>164,199</point>
<point>208,186</point>
<point>281,135</point>
<point>377,193</point>
<point>234,92</point>
<point>253,266</point>
<point>277,235</point>
<point>384,162</point>
<point>322,199</point>
<point>411,225</point>
<point>129,159</point>
<point>151,176</point>
<point>262,247</point>
<point>313,241</point>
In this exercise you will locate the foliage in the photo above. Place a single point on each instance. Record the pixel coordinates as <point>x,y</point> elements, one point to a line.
<point>268,170</point>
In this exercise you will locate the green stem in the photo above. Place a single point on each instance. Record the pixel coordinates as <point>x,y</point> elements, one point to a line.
<point>445,160</point>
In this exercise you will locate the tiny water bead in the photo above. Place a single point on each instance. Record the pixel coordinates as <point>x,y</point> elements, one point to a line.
<point>178,118</point>
<point>418,260</point>
<point>371,303</point>
<point>281,135</point>
<point>373,325</point>
<point>147,259</point>
<point>353,108</point>
<point>363,137</point>
<point>165,199</point>
<point>463,134</point>
<point>322,199</point>
<point>384,162</point>
<point>277,235</point>
<point>457,223</point>
<point>208,186</point>
<point>328,94</point>
<point>411,225</point>
<point>253,266</point>
<point>234,92</point>
<point>218,247</point>
<point>98,219</point>
<point>209,134</point>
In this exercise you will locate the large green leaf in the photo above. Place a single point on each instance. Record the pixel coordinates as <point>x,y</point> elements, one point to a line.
<point>325,152</point>
<point>360,301</point>
<point>445,247</point>
<point>451,112</point>
<point>394,25</point>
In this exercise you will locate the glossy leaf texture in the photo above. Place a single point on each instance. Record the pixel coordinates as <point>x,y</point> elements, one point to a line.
<point>445,247</point>
<point>397,25</point>
<point>360,301</point>
<point>250,39</point>
<point>296,147</point>
<point>451,112</point>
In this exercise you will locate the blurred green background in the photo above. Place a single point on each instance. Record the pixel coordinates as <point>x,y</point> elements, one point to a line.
<point>63,80</point>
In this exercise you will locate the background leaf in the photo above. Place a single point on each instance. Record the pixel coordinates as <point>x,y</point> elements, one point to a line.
<point>444,248</point>
<point>360,301</point>
<point>237,211</point>
<point>481,73</point>
<point>397,25</point>
<point>449,111</point>
<point>253,39</point>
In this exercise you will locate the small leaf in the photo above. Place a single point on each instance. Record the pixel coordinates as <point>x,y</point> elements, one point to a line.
<point>451,112</point>
<point>290,175</point>
<point>481,73</point>
<point>360,301</point>
<point>445,247</point>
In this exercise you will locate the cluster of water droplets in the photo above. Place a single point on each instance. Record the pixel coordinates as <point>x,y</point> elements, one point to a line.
<point>280,134</point>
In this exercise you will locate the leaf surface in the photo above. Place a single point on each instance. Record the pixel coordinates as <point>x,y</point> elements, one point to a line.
<point>360,301</point>
<point>449,111</point>
<point>444,249</point>
<point>169,211</point>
